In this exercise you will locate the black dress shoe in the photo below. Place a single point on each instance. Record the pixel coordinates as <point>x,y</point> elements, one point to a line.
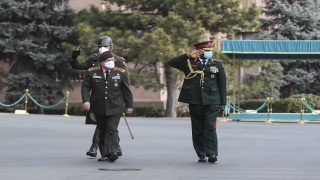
<point>202,159</point>
<point>93,150</point>
<point>119,152</point>
<point>103,159</point>
<point>112,157</point>
<point>212,158</point>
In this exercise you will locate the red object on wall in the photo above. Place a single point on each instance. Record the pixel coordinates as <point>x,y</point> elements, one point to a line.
<point>81,76</point>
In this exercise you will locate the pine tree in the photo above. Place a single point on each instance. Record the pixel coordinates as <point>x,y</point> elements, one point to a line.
<point>152,32</point>
<point>294,20</point>
<point>30,41</point>
<point>271,75</point>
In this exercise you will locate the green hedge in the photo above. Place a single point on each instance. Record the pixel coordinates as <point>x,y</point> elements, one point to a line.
<point>139,111</point>
<point>288,105</point>
<point>74,110</point>
<point>147,111</point>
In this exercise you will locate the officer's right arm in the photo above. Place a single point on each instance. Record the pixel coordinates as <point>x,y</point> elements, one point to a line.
<point>75,64</point>
<point>179,62</point>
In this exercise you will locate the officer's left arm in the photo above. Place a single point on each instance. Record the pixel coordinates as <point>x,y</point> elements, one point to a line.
<point>86,88</point>
<point>125,88</point>
<point>222,83</point>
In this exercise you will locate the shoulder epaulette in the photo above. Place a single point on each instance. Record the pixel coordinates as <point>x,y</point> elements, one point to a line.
<point>120,69</point>
<point>217,60</point>
<point>94,54</point>
<point>122,58</point>
<point>116,57</point>
<point>93,68</point>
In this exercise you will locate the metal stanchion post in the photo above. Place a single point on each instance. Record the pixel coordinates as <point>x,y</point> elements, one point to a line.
<point>67,99</point>
<point>26,102</point>
<point>271,101</point>
<point>269,109</point>
<point>228,113</point>
<point>302,100</point>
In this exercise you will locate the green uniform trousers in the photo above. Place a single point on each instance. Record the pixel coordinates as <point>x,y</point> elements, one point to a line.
<point>204,136</point>
<point>108,127</point>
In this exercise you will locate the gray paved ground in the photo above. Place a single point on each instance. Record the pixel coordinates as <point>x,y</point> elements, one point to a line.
<point>41,147</point>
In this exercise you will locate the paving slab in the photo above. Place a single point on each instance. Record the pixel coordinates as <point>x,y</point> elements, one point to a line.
<point>45,147</point>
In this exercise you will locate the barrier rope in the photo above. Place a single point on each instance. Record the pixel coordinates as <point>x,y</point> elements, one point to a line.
<point>310,108</point>
<point>46,106</point>
<point>236,108</point>
<point>262,106</point>
<point>9,105</point>
<point>229,106</point>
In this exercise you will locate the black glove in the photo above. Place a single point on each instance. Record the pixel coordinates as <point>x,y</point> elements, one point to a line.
<point>75,54</point>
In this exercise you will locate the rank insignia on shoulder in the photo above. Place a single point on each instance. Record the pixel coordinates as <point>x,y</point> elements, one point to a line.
<point>120,69</point>
<point>93,68</point>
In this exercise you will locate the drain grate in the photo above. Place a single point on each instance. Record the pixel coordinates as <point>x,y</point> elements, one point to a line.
<point>119,169</point>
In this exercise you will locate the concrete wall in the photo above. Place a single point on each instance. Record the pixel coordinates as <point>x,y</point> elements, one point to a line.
<point>82,4</point>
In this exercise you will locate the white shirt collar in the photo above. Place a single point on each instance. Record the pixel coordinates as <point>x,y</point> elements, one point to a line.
<point>203,59</point>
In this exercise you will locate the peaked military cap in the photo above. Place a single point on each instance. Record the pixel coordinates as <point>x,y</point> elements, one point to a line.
<point>206,45</point>
<point>104,56</point>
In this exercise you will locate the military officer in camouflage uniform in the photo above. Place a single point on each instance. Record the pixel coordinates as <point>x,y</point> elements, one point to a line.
<point>204,89</point>
<point>104,44</point>
<point>104,91</point>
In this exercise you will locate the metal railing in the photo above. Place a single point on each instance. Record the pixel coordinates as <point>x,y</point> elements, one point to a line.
<point>26,95</point>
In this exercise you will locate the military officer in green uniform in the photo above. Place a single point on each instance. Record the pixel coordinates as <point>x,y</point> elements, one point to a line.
<point>104,44</point>
<point>204,89</point>
<point>105,90</point>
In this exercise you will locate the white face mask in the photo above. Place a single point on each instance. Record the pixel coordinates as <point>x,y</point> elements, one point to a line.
<point>109,64</point>
<point>207,54</point>
<point>103,49</point>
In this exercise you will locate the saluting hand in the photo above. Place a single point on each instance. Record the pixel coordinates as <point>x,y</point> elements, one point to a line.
<point>86,106</point>
<point>196,53</point>
<point>129,110</point>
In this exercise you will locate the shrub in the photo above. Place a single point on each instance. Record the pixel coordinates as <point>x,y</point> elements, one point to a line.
<point>288,105</point>
<point>147,111</point>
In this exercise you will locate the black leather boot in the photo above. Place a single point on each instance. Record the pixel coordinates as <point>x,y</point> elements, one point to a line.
<point>93,149</point>
<point>119,151</point>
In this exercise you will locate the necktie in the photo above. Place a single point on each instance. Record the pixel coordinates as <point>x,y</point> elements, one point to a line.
<point>107,74</point>
<point>203,62</point>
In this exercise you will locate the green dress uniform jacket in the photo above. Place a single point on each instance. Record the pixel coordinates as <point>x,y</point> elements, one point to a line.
<point>93,61</point>
<point>202,85</point>
<point>106,96</point>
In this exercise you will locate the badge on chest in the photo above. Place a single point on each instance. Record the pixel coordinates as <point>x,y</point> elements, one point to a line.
<point>95,76</point>
<point>214,69</point>
<point>115,80</point>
